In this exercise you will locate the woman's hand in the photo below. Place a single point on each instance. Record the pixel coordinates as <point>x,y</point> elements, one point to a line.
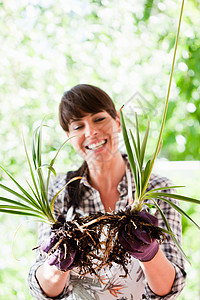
<point>58,257</point>
<point>142,246</point>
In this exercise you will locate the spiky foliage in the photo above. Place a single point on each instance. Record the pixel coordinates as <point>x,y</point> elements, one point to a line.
<point>34,203</point>
<point>142,173</point>
<point>83,235</point>
<point>127,220</point>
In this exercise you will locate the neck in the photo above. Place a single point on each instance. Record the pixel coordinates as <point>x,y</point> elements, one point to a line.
<point>107,175</point>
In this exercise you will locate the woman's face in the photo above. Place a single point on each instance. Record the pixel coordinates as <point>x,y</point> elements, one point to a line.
<point>96,136</point>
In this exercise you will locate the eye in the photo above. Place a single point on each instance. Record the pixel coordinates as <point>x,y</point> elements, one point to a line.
<point>77,127</point>
<point>100,119</point>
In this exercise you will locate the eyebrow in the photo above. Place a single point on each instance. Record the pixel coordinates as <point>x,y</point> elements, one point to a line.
<point>74,120</point>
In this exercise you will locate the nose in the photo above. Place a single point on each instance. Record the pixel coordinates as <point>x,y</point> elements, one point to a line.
<point>90,130</point>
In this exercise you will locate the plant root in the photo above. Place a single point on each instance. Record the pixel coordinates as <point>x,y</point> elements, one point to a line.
<point>94,238</point>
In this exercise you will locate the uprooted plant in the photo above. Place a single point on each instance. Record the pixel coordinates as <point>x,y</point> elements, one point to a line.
<point>91,242</point>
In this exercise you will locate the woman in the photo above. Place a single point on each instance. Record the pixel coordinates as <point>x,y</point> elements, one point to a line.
<point>89,114</point>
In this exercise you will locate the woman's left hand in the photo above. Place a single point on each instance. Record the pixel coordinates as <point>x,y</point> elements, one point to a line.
<point>142,246</point>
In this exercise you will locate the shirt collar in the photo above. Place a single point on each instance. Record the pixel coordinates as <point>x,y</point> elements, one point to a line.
<point>122,186</point>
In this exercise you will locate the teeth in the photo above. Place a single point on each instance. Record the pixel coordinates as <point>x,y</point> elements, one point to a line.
<point>96,145</point>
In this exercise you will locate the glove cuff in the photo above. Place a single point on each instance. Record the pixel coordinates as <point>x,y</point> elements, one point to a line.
<point>150,255</point>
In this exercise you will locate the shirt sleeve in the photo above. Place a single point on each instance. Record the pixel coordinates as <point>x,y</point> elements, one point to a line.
<point>168,246</point>
<point>43,233</point>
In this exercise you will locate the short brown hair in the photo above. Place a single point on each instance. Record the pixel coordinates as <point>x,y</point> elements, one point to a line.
<point>81,99</point>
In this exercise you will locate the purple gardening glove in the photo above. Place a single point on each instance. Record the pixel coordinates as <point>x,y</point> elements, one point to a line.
<point>58,258</point>
<point>142,247</point>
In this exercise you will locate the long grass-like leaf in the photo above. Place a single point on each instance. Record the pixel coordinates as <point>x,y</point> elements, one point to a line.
<point>18,205</point>
<point>181,211</point>
<point>170,230</point>
<point>145,173</point>
<point>21,208</point>
<point>137,152</point>
<point>26,199</point>
<point>34,155</point>
<point>137,134</point>
<point>165,188</point>
<point>138,170</point>
<point>18,185</point>
<point>53,161</point>
<point>128,148</point>
<point>42,186</point>
<point>44,194</point>
<point>19,212</point>
<point>56,195</point>
<point>143,147</point>
<point>39,139</point>
<point>36,145</point>
<point>36,193</point>
<point>8,200</point>
<point>51,169</point>
<point>35,203</point>
<point>159,142</point>
<point>173,196</point>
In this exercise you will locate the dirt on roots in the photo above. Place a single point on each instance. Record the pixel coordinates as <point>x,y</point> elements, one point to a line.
<point>95,241</point>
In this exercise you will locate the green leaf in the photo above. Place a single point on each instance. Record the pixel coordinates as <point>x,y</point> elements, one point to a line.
<point>129,150</point>
<point>137,168</point>
<point>53,160</point>
<point>8,200</point>
<point>136,149</point>
<point>40,196</point>
<point>174,196</point>
<point>170,231</point>
<point>32,176</point>
<point>27,199</point>
<point>165,188</point>
<point>39,139</point>
<point>19,212</point>
<point>56,195</point>
<point>184,214</point>
<point>44,194</point>
<point>150,205</point>
<point>48,167</point>
<point>35,195</point>
<point>147,10</point>
<point>34,156</point>
<point>144,143</point>
<point>137,134</point>
<point>36,145</point>
<point>21,208</point>
<point>145,175</point>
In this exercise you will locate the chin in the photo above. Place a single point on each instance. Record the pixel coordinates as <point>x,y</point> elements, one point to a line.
<point>101,158</point>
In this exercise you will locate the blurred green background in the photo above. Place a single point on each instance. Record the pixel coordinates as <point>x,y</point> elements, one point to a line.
<point>124,47</point>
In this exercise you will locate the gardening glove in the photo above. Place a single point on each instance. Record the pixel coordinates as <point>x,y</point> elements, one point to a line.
<point>142,246</point>
<point>58,257</point>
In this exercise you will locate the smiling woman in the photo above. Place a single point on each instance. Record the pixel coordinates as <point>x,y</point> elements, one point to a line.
<point>89,113</point>
<point>97,134</point>
<point>89,116</point>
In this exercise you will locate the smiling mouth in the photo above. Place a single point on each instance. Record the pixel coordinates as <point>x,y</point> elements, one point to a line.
<point>97,145</point>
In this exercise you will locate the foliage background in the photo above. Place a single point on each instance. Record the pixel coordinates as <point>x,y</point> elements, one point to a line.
<point>124,47</point>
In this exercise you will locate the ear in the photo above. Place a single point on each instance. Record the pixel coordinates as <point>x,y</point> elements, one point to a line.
<point>67,133</point>
<point>118,121</point>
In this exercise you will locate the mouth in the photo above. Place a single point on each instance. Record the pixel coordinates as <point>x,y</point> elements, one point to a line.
<point>95,146</point>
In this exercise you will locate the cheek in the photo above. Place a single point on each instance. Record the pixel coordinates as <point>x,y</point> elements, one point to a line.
<point>114,131</point>
<point>76,143</point>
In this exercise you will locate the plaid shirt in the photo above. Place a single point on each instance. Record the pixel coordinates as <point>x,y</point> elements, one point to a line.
<point>131,288</point>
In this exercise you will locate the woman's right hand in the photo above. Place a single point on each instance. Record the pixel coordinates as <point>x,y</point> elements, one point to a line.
<point>58,256</point>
